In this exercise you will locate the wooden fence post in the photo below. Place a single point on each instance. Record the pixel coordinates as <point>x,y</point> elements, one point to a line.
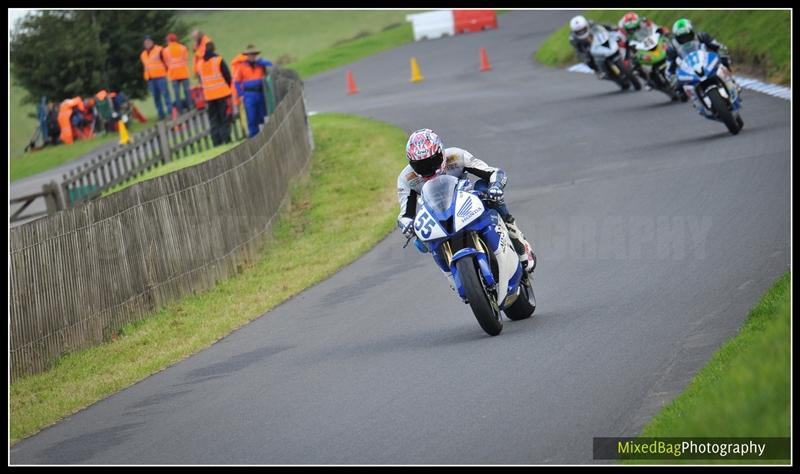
<point>270,95</point>
<point>308,124</point>
<point>163,140</point>
<point>52,198</point>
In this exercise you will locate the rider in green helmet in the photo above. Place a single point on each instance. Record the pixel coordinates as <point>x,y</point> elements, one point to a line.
<point>685,40</point>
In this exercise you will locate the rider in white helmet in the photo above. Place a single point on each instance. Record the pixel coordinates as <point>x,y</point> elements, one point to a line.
<point>427,158</point>
<point>580,37</point>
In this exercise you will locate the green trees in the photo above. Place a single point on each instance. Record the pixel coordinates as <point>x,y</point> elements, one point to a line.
<point>61,54</point>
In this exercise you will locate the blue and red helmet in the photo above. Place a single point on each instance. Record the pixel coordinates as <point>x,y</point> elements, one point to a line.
<point>425,153</point>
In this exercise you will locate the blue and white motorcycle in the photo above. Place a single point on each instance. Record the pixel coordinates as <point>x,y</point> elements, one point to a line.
<point>710,86</point>
<point>469,239</point>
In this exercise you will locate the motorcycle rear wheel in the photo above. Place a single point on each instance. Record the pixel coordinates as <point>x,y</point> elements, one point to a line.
<point>487,314</point>
<point>525,304</point>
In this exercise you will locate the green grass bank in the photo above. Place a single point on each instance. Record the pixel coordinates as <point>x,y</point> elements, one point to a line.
<point>759,40</point>
<point>744,389</point>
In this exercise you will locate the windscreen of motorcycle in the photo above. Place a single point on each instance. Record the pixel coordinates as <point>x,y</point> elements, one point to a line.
<point>649,42</point>
<point>697,64</point>
<point>651,50</point>
<point>599,34</point>
<point>438,194</point>
<point>689,47</point>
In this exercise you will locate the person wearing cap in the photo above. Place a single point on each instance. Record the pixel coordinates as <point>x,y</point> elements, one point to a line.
<point>176,56</point>
<point>155,73</point>
<point>215,78</point>
<point>249,83</point>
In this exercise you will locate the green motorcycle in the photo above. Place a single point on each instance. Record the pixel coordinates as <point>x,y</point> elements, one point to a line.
<point>650,61</point>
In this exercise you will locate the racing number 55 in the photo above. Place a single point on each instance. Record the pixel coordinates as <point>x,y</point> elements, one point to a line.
<point>424,224</point>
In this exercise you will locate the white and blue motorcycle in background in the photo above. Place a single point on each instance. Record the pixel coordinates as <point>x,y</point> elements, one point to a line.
<point>611,56</point>
<point>710,86</point>
<point>470,240</point>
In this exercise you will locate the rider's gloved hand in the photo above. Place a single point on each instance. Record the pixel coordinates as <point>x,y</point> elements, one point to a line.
<point>406,226</point>
<point>495,193</point>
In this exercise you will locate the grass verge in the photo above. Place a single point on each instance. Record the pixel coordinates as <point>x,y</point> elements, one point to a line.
<point>355,159</point>
<point>353,50</point>
<point>743,391</point>
<point>758,40</point>
<point>174,165</point>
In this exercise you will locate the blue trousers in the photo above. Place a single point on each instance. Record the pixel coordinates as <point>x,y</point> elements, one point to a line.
<point>158,87</point>
<point>255,105</point>
<point>186,103</point>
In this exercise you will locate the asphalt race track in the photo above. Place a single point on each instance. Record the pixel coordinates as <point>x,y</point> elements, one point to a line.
<point>656,231</point>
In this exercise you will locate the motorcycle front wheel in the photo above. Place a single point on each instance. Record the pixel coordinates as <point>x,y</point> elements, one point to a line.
<point>487,314</point>
<point>630,77</point>
<point>724,112</point>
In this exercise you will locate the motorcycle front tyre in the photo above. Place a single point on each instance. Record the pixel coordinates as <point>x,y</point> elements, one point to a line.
<point>487,314</point>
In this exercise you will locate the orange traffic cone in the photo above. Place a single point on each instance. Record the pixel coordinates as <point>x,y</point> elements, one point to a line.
<point>485,66</point>
<point>351,83</point>
<point>416,75</point>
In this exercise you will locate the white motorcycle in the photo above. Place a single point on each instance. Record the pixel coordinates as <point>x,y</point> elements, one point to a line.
<point>611,56</point>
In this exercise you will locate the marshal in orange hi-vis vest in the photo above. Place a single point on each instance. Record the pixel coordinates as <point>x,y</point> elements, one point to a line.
<point>214,85</point>
<point>235,62</point>
<point>65,118</point>
<point>153,65</point>
<point>176,56</point>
